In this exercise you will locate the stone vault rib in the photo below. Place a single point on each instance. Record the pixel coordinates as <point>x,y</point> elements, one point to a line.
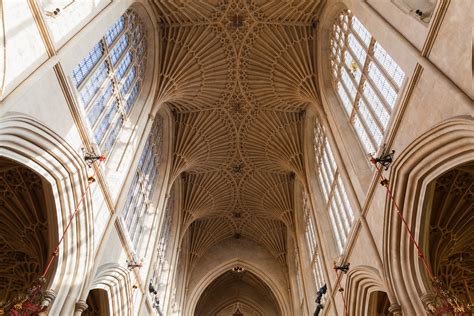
<point>196,68</point>
<point>202,143</point>
<point>205,233</point>
<point>269,195</point>
<point>207,194</point>
<point>272,141</point>
<point>279,69</point>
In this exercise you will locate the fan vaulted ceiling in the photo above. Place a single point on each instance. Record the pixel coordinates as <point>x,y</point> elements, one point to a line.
<point>238,76</point>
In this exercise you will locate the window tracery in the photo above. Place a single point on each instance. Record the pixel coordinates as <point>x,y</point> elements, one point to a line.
<point>143,185</point>
<point>365,77</point>
<point>334,194</point>
<point>109,78</point>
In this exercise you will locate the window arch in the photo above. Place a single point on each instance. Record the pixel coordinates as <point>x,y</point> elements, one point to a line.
<point>366,79</point>
<point>334,194</point>
<point>313,249</point>
<point>109,78</point>
<point>143,185</point>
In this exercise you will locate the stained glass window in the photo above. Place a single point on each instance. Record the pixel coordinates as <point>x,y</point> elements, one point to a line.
<point>332,187</point>
<point>108,81</point>
<point>143,185</point>
<point>366,79</point>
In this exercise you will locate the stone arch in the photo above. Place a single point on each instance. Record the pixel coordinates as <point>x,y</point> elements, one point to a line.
<point>115,280</point>
<point>151,80</point>
<point>363,285</point>
<point>226,266</point>
<point>324,28</point>
<point>30,143</point>
<point>445,146</point>
<point>27,230</point>
<point>97,303</point>
<point>447,239</point>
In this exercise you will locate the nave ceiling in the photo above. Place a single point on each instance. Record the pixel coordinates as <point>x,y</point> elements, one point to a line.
<point>237,76</point>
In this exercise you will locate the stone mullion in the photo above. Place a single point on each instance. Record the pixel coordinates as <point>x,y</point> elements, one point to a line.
<point>93,69</point>
<point>359,95</point>
<point>343,64</point>
<point>382,99</point>
<point>113,79</point>
<point>382,69</point>
<point>115,82</point>
<point>359,91</point>
<point>136,198</point>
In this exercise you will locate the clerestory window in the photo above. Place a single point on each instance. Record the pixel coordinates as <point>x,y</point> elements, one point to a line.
<point>336,202</point>
<point>161,269</point>
<point>312,246</point>
<point>366,79</point>
<point>143,185</point>
<point>299,283</point>
<point>109,78</point>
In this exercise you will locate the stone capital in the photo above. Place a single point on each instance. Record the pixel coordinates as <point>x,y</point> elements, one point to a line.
<point>80,307</point>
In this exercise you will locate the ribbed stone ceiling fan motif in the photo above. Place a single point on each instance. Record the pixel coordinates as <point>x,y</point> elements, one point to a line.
<point>238,75</point>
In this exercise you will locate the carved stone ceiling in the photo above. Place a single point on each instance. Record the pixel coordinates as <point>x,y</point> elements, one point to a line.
<point>238,75</point>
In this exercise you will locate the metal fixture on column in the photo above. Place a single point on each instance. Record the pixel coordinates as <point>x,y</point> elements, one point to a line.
<point>319,298</point>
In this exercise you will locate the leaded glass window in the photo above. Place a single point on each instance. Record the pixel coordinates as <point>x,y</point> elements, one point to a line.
<point>366,79</point>
<point>313,251</point>
<point>138,201</point>
<point>335,198</point>
<point>109,78</point>
<point>161,270</point>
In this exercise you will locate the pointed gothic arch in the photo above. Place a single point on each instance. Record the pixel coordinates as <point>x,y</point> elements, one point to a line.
<point>445,146</point>
<point>115,281</point>
<point>30,143</point>
<point>27,230</point>
<point>277,291</point>
<point>363,286</point>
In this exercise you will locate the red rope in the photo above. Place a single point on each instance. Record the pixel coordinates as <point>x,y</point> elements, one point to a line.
<point>344,301</point>
<point>421,254</point>
<point>55,253</point>
<point>28,306</point>
<point>341,290</point>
